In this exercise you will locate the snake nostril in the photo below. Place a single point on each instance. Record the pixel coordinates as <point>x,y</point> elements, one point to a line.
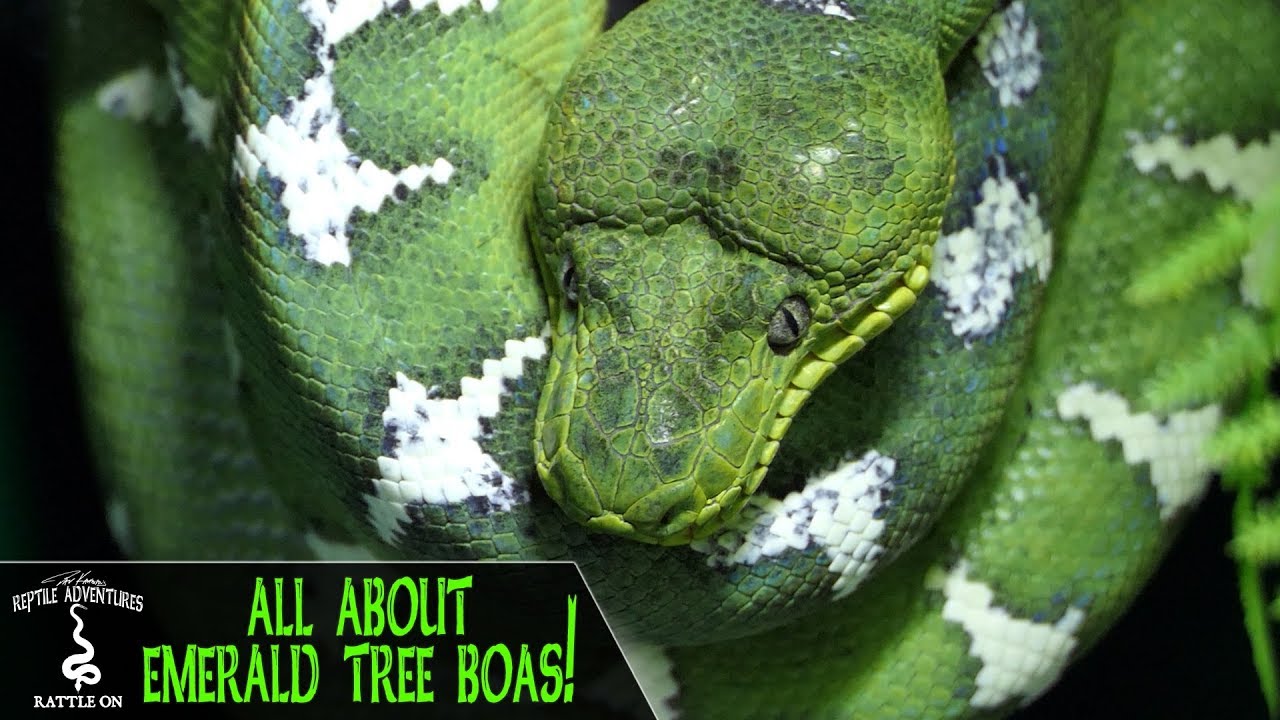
<point>675,518</point>
<point>669,516</point>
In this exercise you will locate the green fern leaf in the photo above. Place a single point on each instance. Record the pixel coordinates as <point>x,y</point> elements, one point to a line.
<point>1257,539</point>
<point>1209,254</point>
<point>1220,365</point>
<point>1251,439</point>
<point>1240,241</point>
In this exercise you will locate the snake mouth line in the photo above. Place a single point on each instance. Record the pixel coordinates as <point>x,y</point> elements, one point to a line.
<point>678,509</point>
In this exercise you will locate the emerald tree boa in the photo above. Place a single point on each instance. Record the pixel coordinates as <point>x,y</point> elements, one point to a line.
<point>800,325</point>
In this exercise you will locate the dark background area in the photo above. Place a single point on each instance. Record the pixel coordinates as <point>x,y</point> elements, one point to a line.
<point>1181,652</point>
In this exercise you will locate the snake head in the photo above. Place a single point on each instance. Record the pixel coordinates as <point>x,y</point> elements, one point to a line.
<point>719,223</point>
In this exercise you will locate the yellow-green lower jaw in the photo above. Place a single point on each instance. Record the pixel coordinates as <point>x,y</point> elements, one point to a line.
<point>674,512</point>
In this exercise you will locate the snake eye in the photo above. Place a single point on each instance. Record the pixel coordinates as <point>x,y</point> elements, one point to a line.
<point>788,324</point>
<point>569,281</point>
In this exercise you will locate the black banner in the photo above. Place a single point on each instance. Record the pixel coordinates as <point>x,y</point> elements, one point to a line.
<point>447,639</point>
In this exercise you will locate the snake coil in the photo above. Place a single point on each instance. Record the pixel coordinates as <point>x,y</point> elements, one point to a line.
<point>798,324</point>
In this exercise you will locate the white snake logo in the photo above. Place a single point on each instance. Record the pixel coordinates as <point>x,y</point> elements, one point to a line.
<point>87,673</point>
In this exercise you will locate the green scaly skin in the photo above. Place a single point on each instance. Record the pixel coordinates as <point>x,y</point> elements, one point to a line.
<point>372,385</point>
<point>688,209</point>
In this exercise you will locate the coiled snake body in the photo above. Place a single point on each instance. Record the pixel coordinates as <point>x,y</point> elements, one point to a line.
<point>800,325</point>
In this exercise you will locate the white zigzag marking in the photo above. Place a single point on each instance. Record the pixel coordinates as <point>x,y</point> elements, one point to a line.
<point>837,511</point>
<point>1008,50</point>
<point>1247,171</point>
<point>653,671</point>
<point>436,455</point>
<point>198,112</point>
<point>1225,165</point>
<point>1172,448</point>
<point>324,181</point>
<point>1020,658</point>
<point>974,268</point>
<point>135,95</point>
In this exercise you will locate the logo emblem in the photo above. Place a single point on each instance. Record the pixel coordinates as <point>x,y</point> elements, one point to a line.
<point>77,666</point>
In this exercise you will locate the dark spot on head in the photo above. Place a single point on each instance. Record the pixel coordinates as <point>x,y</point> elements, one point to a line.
<point>723,169</point>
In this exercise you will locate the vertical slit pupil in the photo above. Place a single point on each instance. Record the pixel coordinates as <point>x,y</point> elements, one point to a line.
<point>789,323</point>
